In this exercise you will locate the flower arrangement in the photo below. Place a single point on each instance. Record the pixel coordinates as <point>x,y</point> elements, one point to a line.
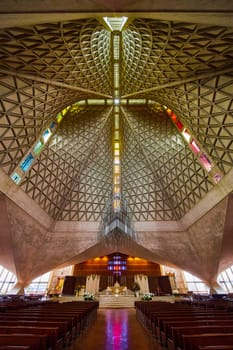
<point>88,296</point>
<point>147,296</point>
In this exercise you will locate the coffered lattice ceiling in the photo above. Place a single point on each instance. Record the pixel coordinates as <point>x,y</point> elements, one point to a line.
<point>158,52</point>
<point>205,107</point>
<point>26,109</point>
<point>72,177</point>
<point>47,67</point>
<point>76,53</point>
<point>167,180</point>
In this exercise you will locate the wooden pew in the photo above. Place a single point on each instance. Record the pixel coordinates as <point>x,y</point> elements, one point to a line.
<point>216,347</point>
<point>169,325</point>
<point>36,341</point>
<point>159,318</point>
<point>62,326</point>
<point>70,320</point>
<point>53,342</point>
<point>9,347</point>
<point>162,330</point>
<point>194,323</point>
<point>156,318</point>
<point>192,342</point>
<point>3,329</point>
<point>177,332</point>
<point>76,318</point>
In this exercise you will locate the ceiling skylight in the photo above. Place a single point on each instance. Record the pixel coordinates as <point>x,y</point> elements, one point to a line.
<point>115,23</point>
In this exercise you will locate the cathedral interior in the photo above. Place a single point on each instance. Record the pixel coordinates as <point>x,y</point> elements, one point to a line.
<point>104,103</point>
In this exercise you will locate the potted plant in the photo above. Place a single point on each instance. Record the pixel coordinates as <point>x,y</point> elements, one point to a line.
<point>147,296</point>
<point>88,296</point>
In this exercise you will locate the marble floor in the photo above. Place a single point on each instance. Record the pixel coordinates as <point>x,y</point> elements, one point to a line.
<point>115,329</point>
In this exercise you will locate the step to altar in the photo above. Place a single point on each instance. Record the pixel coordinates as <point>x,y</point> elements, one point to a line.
<point>114,301</point>
<point>117,301</point>
<point>127,301</point>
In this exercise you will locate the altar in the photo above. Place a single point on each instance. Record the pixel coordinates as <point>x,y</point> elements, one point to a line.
<point>127,301</point>
<point>116,289</point>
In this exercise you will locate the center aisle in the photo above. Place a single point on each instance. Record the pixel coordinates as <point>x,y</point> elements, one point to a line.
<point>115,329</point>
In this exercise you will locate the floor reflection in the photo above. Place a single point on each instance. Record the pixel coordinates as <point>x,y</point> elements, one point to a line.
<point>116,328</point>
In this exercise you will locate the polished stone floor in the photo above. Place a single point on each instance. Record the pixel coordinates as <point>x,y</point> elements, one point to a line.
<point>115,329</point>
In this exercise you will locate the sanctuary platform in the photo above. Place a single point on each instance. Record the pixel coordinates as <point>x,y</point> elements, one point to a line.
<point>116,301</point>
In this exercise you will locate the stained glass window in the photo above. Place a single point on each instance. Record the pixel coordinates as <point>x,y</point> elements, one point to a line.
<point>186,135</point>
<point>38,147</point>
<point>46,135</point>
<point>16,178</point>
<point>205,162</point>
<point>179,125</point>
<point>27,162</point>
<point>194,147</point>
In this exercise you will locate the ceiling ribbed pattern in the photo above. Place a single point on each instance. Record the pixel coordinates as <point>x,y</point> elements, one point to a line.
<point>26,109</point>
<point>92,189</point>
<point>173,181</point>
<point>163,52</point>
<point>205,107</point>
<point>137,45</point>
<point>144,195</point>
<point>72,178</point>
<point>75,52</point>
<point>47,67</point>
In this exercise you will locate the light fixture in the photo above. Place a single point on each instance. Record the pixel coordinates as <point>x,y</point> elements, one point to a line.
<point>116,229</point>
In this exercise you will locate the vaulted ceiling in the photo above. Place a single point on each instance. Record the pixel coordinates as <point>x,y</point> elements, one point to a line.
<point>182,217</point>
